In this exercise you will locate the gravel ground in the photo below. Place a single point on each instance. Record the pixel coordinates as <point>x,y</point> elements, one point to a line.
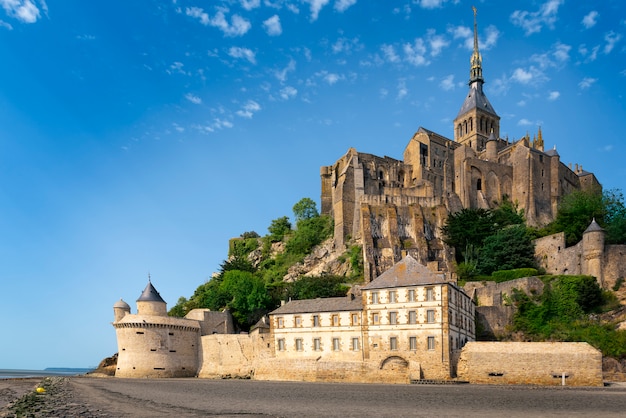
<point>110,397</point>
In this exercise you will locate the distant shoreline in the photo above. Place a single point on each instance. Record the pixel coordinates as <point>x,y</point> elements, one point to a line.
<point>51,371</point>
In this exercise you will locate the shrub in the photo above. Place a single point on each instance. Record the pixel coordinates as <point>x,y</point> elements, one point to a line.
<point>506,275</point>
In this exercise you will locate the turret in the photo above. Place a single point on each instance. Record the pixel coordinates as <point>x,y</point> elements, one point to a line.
<point>150,302</point>
<point>593,251</point>
<point>492,148</point>
<point>120,310</point>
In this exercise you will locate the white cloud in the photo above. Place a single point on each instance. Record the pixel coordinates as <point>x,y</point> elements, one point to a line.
<point>533,22</point>
<point>611,39</point>
<point>524,122</point>
<point>193,98</point>
<point>415,53</point>
<point>5,25</point>
<point>85,37</point>
<point>522,76</point>
<point>402,90</point>
<point>431,4</point>
<point>389,53</point>
<point>436,42</point>
<point>217,123</point>
<point>316,7</point>
<point>249,109</point>
<point>23,10</point>
<point>238,26</point>
<point>176,68</point>
<point>447,83</point>
<point>586,83</point>
<point>384,93</point>
<point>590,19</point>
<point>553,95</point>
<point>332,78</point>
<point>245,53</point>
<point>272,26</point>
<point>281,75</point>
<point>342,5</point>
<point>589,56</point>
<point>250,4</point>
<point>346,45</point>
<point>561,52</point>
<point>288,93</point>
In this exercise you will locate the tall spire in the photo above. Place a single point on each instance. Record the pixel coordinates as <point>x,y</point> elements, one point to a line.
<point>476,70</point>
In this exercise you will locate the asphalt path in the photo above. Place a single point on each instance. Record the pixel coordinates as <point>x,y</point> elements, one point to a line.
<point>234,398</point>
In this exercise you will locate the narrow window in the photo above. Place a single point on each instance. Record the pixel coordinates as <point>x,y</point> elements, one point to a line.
<point>430,316</point>
<point>171,333</point>
<point>430,294</point>
<point>479,184</point>
<point>317,344</point>
<point>298,321</point>
<point>335,344</point>
<point>393,343</point>
<point>392,296</point>
<point>375,318</point>
<point>411,295</point>
<point>413,343</point>
<point>355,343</point>
<point>140,332</point>
<point>281,344</point>
<point>355,319</point>
<point>335,320</point>
<point>281,323</point>
<point>431,343</point>
<point>412,317</point>
<point>374,297</point>
<point>298,344</point>
<point>316,320</point>
<point>393,318</point>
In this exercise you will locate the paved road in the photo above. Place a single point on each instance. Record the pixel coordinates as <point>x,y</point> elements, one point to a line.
<point>226,398</point>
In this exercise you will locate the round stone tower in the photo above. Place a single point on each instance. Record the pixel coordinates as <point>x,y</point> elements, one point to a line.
<point>492,148</point>
<point>120,310</point>
<point>152,344</point>
<point>593,251</point>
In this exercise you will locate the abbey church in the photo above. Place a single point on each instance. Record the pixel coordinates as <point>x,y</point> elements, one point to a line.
<point>396,207</point>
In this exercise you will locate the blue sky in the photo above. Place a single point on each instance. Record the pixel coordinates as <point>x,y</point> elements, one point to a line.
<point>137,137</point>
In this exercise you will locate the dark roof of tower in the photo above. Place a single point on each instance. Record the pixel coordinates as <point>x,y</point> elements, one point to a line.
<point>121,304</point>
<point>552,152</point>
<point>593,227</point>
<point>150,294</point>
<point>476,99</point>
<point>406,272</point>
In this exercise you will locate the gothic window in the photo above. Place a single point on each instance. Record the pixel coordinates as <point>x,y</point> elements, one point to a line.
<point>482,125</point>
<point>471,127</point>
<point>424,153</point>
<point>479,184</point>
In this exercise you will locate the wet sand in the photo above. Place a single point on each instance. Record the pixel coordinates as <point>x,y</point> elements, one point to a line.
<point>110,397</point>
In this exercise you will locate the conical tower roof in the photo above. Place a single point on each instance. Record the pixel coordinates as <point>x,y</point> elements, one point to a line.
<point>593,227</point>
<point>150,294</point>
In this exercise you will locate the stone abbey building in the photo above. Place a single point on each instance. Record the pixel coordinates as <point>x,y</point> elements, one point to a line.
<point>398,206</point>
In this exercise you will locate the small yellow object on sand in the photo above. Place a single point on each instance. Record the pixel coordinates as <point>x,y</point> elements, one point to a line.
<point>40,390</point>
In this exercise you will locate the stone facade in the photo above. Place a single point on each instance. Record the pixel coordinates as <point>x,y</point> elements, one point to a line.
<point>408,319</point>
<point>398,206</point>
<point>523,363</point>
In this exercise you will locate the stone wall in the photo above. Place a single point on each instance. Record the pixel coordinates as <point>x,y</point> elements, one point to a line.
<point>525,363</point>
<point>232,355</point>
<point>496,294</point>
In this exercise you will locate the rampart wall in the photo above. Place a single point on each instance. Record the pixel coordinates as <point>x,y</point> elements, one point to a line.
<point>524,363</point>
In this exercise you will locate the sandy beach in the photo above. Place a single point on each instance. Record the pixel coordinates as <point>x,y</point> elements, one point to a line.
<point>110,397</point>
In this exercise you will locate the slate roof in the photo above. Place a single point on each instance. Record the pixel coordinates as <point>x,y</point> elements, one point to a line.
<point>593,227</point>
<point>150,294</point>
<point>406,272</point>
<point>345,303</point>
<point>476,99</point>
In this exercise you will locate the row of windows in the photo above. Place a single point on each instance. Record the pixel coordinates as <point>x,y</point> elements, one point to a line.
<point>376,317</point>
<point>467,126</point>
<point>355,344</point>
<point>410,296</point>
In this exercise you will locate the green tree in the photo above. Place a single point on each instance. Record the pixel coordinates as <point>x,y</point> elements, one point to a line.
<point>305,209</point>
<point>575,213</point>
<point>310,233</point>
<point>279,228</point>
<point>246,297</point>
<point>509,248</point>
<point>250,234</point>
<point>324,286</point>
<point>466,230</point>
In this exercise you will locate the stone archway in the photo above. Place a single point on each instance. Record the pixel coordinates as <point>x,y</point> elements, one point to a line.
<point>394,363</point>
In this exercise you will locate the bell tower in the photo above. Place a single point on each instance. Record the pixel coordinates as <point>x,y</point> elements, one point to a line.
<point>477,119</point>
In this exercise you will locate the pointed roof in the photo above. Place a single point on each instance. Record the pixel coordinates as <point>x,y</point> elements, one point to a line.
<point>406,272</point>
<point>150,294</point>
<point>593,227</point>
<point>476,98</point>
